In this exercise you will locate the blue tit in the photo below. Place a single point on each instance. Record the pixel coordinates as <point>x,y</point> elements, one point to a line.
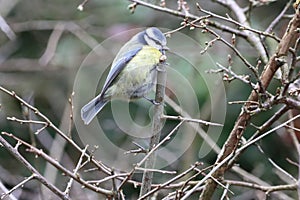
<point>133,71</point>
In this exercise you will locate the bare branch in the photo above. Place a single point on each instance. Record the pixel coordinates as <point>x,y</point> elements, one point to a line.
<point>244,117</point>
<point>36,175</point>
<point>200,131</point>
<point>277,19</point>
<point>78,166</point>
<point>52,161</point>
<point>52,44</point>
<point>157,126</point>
<point>19,185</point>
<point>51,125</point>
<point>267,189</point>
<point>185,119</point>
<point>252,38</point>
<point>7,29</point>
<point>171,181</point>
<point>231,155</point>
<point>168,137</point>
<point>241,17</point>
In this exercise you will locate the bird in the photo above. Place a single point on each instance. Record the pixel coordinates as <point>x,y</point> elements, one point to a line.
<point>133,71</point>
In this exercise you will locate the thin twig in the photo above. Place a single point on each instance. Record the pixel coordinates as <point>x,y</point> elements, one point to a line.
<point>202,181</point>
<point>7,29</point>
<point>52,44</point>
<point>244,79</point>
<point>254,179</point>
<point>198,129</point>
<point>241,26</point>
<point>164,9</point>
<point>50,124</point>
<point>53,162</point>
<point>70,26</point>
<point>19,185</point>
<point>190,120</point>
<point>270,121</point>
<point>168,137</point>
<point>37,175</point>
<point>5,190</point>
<point>241,18</point>
<point>267,189</point>
<point>78,166</point>
<point>268,132</point>
<point>233,140</point>
<point>231,155</point>
<point>253,39</point>
<point>71,123</point>
<point>282,174</point>
<point>165,184</point>
<point>24,121</point>
<point>295,141</point>
<point>156,170</point>
<point>277,19</point>
<point>264,127</point>
<point>225,28</point>
<point>224,195</point>
<point>235,50</point>
<point>219,183</point>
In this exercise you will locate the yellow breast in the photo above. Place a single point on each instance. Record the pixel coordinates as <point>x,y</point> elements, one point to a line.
<point>138,75</point>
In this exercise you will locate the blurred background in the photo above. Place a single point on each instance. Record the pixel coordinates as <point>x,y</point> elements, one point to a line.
<point>43,43</point>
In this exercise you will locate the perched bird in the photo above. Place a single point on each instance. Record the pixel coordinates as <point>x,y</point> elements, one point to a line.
<point>133,71</point>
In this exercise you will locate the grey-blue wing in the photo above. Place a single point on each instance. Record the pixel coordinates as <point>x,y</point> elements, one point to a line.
<point>117,67</point>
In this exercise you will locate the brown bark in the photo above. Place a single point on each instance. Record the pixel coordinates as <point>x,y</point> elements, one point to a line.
<point>271,67</point>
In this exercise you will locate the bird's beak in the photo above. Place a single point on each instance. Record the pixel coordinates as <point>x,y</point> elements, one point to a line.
<point>165,48</point>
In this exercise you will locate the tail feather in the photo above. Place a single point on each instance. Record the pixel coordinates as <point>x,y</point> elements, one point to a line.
<point>91,109</point>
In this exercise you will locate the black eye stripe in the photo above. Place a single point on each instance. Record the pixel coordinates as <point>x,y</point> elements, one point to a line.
<point>154,39</point>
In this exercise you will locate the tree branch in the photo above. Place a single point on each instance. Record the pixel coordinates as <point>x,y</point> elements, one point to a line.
<point>253,39</point>
<point>241,17</point>
<point>267,189</point>
<point>244,117</point>
<point>156,127</point>
<point>37,175</point>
